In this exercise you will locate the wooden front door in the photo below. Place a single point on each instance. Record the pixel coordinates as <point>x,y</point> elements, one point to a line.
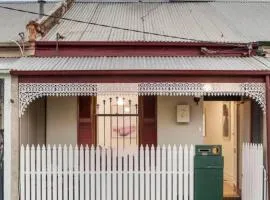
<point>86,120</point>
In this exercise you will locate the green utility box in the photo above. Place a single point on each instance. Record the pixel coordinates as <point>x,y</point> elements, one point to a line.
<point>208,172</point>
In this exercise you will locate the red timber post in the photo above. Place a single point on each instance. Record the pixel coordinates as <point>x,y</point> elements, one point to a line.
<point>268,128</point>
<point>148,120</point>
<point>86,121</point>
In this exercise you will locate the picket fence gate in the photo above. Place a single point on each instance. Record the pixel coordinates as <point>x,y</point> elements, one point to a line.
<point>253,177</point>
<point>82,173</point>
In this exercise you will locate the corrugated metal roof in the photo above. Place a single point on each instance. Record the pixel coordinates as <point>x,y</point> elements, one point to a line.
<point>7,63</point>
<point>264,60</point>
<point>14,22</point>
<point>207,21</point>
<point>139,63</point>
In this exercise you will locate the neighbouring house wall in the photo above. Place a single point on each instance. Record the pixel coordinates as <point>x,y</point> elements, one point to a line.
<point>61,120</point>
<point>12,145</point>
<point>1,116</point>
<point>171,132</point>
<point>32,124</point>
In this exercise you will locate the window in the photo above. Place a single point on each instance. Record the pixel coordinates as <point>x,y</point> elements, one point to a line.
<point>117,122</point>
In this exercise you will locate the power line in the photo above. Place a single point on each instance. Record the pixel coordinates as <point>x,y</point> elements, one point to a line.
<point>104,25</point>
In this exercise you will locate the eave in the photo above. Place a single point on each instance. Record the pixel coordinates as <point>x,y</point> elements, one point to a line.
<point>129,76</point>
<point>140,72</point>
<point>105,48</point>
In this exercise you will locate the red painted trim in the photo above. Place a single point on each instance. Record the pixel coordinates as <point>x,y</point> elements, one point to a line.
<point>268,127</point>
<point>147,120</point>
<point>137,79</point>
<point>141,43</point>
<point>102,48</point>
<point>140,72</point>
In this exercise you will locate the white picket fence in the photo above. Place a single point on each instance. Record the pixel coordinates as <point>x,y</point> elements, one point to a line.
<point>253,176</point>
<point>67,173</point>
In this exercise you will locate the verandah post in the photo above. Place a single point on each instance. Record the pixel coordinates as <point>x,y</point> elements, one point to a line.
<point>268,127</point>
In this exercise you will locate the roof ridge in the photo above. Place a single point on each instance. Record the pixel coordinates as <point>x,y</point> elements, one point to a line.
<point>174,1</point>
<point>23,2</point>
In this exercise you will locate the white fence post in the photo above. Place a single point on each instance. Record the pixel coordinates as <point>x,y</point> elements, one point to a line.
<point>92,173</point>
<point>87,170</point>
<point>153,173</point>
<point>141,172</point>
<point>82,174</point>
<point>76,173</point>
<point>44,172</point>
<point>156,173</point>
<point>60,173</point>
<point>38,170</point>
<point>49,173</point>
<point>191,172</point>
<point>169,172</point>
<point>70,170</point>
<point>22,173</point>
<point>54,172</point>
<point>27,171</point>
<point>65,172</point>
<point>147,173</point>
<point>32,172</point>
<point>180,172</point>
<point>174,172</point>
<point>98,191</point>
<point>163,172</point>
<point>186,170</point>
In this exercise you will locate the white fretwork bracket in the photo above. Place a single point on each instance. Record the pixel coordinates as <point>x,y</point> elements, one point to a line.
<point>28,92</point>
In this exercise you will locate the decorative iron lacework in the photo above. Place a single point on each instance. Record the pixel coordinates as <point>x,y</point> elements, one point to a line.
<point>28,92</point>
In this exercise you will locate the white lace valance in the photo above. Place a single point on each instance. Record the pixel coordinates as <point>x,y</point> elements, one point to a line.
<point>28,92</point>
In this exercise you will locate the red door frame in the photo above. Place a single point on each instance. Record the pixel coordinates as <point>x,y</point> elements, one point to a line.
<point>267,80</point>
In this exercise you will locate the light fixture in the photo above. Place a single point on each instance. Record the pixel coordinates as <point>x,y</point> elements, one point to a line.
<point>196,99</point>
<point>207,87</point>
<point>20,48</point>
<point>127,110</point>
<point>120,101</point>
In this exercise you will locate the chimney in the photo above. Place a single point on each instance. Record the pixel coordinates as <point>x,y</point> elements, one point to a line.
<point>41,8</point>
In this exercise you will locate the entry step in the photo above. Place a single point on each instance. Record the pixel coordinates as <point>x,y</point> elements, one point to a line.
<point>231,198</point>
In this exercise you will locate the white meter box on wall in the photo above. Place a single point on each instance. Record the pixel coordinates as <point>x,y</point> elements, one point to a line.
<point>183,113</point>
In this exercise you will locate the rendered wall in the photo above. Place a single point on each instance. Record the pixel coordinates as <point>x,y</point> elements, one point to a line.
<point>171,132</point>
<point>61,120</point>
<point>32,124</point>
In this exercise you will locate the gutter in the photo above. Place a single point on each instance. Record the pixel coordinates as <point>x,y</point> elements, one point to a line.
<point>138,48</point>
<point>140,43</point>
<point>141,73</point>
